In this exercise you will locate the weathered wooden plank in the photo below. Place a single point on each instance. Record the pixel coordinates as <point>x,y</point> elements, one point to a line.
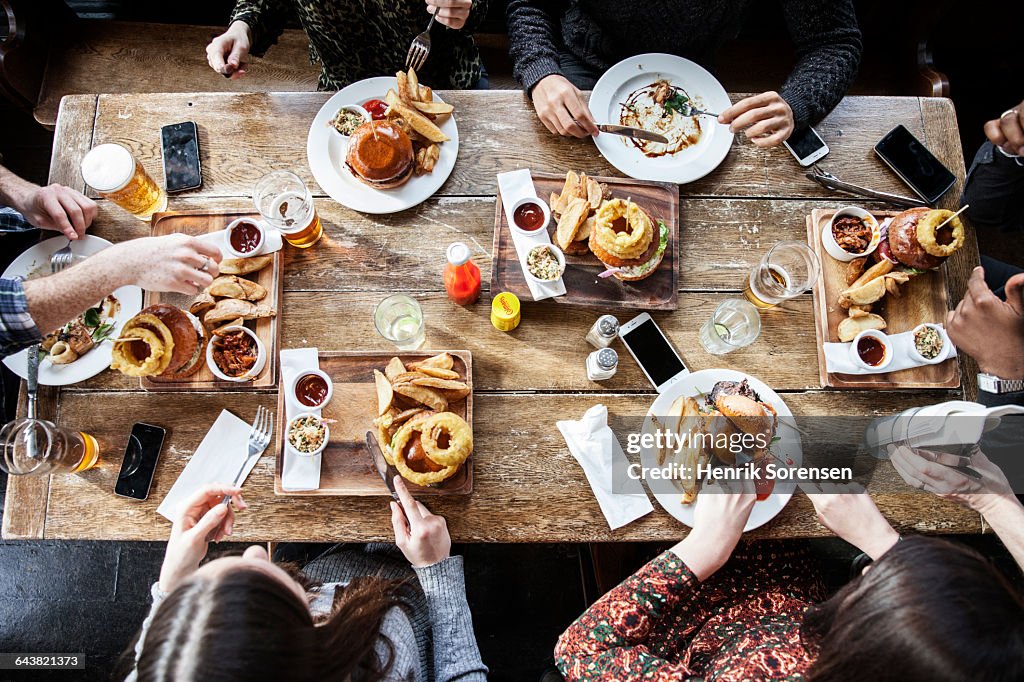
<point>244,135</point>
<point>527,487</point>
<point>72,140</point>
<point>943,138</point>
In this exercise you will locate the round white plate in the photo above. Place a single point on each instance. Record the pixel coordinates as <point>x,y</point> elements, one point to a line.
<point>788,445</point>
<point>36,261</point>
<point>326,150</point>
<point>706,93</point>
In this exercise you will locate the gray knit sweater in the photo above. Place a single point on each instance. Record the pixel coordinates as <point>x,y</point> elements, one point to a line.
<point>432,636</point>
<point>600,33</point>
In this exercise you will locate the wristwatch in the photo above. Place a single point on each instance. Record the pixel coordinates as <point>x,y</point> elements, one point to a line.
<point>993,384</point>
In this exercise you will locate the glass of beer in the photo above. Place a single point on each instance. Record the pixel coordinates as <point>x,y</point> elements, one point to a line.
<point>284,202</point>
<point>115,174</point>
<point>35,447</point>
<point>789,269</point>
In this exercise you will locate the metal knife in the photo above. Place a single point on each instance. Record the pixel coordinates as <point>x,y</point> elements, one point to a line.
<point>386,471</point>
<point>638,133</point>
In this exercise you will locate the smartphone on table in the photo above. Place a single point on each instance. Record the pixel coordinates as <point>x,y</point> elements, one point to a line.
<point>916,166</point>
<point>139,463</point>
<point>180,145</point>
<point>651,349</point>
<point>806,146</point>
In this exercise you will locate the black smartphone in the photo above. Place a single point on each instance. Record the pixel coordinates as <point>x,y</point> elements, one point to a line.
<point>139,463</point>
<point>806,146</point>
<point>915,165</point>
<point>652,350</point>
<point>180,144</point>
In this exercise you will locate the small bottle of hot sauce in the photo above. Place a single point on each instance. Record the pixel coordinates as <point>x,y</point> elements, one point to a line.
<point>461,275</point>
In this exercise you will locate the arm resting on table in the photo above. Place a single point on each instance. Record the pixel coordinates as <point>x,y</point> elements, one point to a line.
<point>456,655</point>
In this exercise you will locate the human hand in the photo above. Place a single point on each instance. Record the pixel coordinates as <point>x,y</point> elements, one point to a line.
<point>1007,131</point>
<point>561,107</point>
<point>173,262</point>
<point>227,53</point>
<point>767,119</point>
<point>721,512</point>
<point>56,207</point>
<point>202,518</point>
<point>423,537</point>
<point>989,329</point>
<point>930,470</point>
<point>847,510</point>
<point>451,13</point>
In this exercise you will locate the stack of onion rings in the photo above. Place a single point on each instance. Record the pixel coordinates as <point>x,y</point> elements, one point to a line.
<point>148,330</point>
<point>431,430</point>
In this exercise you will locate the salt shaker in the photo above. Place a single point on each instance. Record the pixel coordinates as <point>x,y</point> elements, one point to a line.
<point>601,364</point>
<point>603,332</point>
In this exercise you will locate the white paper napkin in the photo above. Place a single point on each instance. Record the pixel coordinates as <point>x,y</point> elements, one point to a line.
<point>301,472</point>
<point>271,243</point>
<point>837,355</point>
<point>513,186</point>
<point>595,447</point>
<point>217,459</point>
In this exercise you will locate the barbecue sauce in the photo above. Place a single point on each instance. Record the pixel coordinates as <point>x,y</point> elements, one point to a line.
<point>245,237</point>
<point>529,217</point>
<point>311,390</point>
<point>871,350</point>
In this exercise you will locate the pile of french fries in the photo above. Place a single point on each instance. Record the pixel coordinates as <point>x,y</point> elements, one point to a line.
<point>413,109</point>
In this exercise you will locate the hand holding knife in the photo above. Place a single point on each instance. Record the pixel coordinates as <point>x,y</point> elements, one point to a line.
<point>638,133</point>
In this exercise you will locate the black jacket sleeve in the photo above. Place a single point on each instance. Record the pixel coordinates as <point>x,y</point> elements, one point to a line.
<point>533,34</point>
<point>828,46</point>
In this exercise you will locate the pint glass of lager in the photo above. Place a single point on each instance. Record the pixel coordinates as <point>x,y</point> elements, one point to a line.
<point>113,172</point>
<point>284,202</point>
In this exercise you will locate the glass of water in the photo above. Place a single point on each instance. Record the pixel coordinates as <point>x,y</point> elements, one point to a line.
<point>734,324</point>
<point>399,319</point>
<point>789,269</point>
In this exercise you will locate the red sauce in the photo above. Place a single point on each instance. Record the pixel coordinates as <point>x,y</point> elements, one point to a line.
<point>871,350</point>
<point>462,282</point>
<point>529,217</point>
<point>763,486</point>
<point>245,237</point>
<point>311,390</point>
<point>377,108</point>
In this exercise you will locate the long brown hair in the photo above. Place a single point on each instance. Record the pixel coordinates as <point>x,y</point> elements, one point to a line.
<point>244,624</point>
<point>927,610</point>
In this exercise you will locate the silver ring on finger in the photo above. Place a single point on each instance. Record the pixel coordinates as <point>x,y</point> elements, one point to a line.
<point>1008,112</point>
<point>206,264</point>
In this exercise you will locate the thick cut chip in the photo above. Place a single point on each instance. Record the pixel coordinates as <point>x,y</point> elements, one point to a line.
<point>394,368</point>
<point>443,360</point>
<point>571,221</point>
<point>435,382</point>
<point>385,394</point>
<point>569,192</point>
<point>435,400</point>
<point>439,373</point>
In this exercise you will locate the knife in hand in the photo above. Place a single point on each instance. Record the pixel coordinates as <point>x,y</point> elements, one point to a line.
<point>638,133</point>
<point>386,471</point>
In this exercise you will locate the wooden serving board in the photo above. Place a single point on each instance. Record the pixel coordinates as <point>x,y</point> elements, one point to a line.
<point>583,287</point>
<point>268,330</point>
<point>346,468</point>
<point>923,299</point>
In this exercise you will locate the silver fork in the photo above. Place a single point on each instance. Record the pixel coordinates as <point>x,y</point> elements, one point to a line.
<point>61,259</point>
<point>259,438</point>
<point>420,49</point>
<point>687,110</point>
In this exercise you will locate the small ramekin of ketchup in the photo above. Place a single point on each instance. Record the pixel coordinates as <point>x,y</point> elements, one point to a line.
<point>244,238</point>
<point>312,388</point>
<point>378,108</point>
<point>530,214</point>
<point>871,349</point>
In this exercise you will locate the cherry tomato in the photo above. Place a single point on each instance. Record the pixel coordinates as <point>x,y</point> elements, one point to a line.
<point>377,108</point>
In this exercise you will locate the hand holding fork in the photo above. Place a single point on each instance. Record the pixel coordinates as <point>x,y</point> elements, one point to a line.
<point>451,13</point>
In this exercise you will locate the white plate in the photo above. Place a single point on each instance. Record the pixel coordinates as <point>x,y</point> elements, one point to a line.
<point>788,444</point>
<point>706,93</point>
<point>326,150</point>
<point>37,260</point>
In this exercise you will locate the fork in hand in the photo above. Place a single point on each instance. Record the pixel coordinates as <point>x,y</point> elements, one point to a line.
<point>420,49</point>
<point>259,438</point>
<point>61,259</point>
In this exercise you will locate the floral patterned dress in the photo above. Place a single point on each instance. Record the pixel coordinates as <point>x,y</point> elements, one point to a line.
<point>743,623</point>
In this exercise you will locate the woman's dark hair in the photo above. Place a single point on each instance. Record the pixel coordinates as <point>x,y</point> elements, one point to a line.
<point>927,610</point>
<point>245,624</point>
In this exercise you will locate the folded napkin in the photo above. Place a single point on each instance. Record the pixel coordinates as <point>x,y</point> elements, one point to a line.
<point>837,355</point>
<point>301,472</point>
<point>273,241</point>
<point>595,447</point>
<point>513,186</point>
<point>217,459</point>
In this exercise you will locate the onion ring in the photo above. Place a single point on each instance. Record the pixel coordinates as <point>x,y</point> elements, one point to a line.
<point>634,240</point>
<point>155,335</point>
<point>460,439</point>
<point>398,447</point>
<point>61,354</point>
<point>927,229</point>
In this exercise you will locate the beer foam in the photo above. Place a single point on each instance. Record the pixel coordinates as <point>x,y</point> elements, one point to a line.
<point>108,167</point>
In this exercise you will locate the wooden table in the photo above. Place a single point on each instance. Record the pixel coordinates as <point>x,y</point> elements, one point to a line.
<point>528,488</point>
